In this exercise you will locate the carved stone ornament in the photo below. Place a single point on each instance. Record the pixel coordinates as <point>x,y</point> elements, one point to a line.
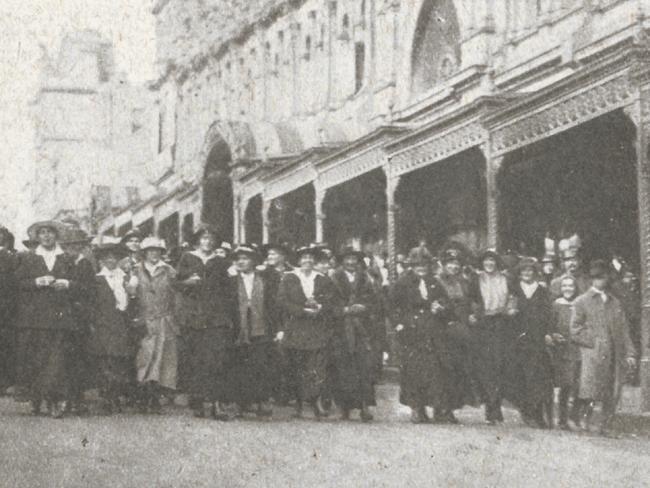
<point>437,148</point>
<point>573,110</point>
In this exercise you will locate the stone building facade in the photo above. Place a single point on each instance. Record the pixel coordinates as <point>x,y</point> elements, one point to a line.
<point>93,134</point>
<point>497,123</point>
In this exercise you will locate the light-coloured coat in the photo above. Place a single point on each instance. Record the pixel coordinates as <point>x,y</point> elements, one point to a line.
<point>600,330</point>
<point>157,359</point>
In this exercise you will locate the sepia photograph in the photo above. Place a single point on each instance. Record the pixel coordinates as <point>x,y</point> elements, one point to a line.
<point>324,243</point>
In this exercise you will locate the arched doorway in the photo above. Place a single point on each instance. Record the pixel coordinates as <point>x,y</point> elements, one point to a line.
<point>436,45</point>
<point>217,209</point>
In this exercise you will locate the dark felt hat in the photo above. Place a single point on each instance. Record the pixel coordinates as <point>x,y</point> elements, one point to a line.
<point>351,251</point>
<point>490,253</point>
<point>130,234</point>
<point>598,268</point>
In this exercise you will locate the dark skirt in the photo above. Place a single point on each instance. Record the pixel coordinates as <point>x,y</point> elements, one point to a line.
<point>491,347</point>
<point>353,371</point>
<point>529,377</point>
<point>251,375</point>
<point>307,371</point>
<point>421,372</point>
<point>460,389</point>
<point>114,373</point>
<point>45,359</point>
<point>7,357</point>
<point>206,359</point>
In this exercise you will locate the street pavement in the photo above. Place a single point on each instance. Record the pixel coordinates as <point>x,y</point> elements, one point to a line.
<point>177,450</point>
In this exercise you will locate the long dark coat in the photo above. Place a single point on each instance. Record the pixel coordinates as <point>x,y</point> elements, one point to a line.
<point>45,326</point>
<point>252,374</point>
<point>530,375</point>
<point>110,327</point>
<point>306,337</point>
<point>601,332</point>
<point>352,342</point>
<point>424,358</point>
<point>206,312</point>
<point>8,301</point>
<point>462,391</point>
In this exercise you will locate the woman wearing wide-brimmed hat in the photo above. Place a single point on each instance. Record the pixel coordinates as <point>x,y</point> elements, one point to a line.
<point>45,322</point>
<point>109,343</point>
<point>529,375</point>
<point>205,317</point>
<point>157,358</point>
<point>307,298</point>
<point>422,312</point>
<point>492,334</point>
<point>352,341</point>
<point>461,390</point>
<point>253,375</point>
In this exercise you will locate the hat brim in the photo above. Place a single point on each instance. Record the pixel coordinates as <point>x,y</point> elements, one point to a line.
<point>34,229</point>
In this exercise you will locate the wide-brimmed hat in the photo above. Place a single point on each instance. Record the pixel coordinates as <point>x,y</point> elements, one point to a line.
<point>75,235</point>
<point>249,250</point>
<point>598,268</point>
<point>274,246</point>
<point>490,253</point>
<point>205,229</point>
<point>309,249</point>
<point>528,262</point>
<point>153,243</point>
<point>419,256</point>
<point>226,246</point>
<point>110,245</point>
<point>130,234</point>
<point>351,251</point>
<point>324,249</point>
<point>57,227</point>
<point>451,254</point>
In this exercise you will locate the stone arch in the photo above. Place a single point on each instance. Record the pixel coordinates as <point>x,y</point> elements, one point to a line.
<point>435,45</point>
<point>217,188</point>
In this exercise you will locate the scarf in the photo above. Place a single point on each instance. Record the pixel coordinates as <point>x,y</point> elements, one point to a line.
<point>251,311</point>
<point>115,279</point>
<point>494,290</point>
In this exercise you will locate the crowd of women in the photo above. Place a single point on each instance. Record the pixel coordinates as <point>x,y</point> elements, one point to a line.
<point>241,330</point>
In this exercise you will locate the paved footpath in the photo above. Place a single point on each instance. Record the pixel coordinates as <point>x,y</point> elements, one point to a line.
<point>176,450</point>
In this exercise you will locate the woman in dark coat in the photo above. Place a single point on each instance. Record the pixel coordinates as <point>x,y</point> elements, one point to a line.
<point>8,300</point>
<point>529,375</point>
<point>307,299</point>
<point>45,323</point>
<point>206,313</point>
<point>352,347</point>
<point>492,332</point>
<point>460,389</point>
<point>252,376</point>
<point>75,243</point>
<point>422,312</point>
<point>109,344</point>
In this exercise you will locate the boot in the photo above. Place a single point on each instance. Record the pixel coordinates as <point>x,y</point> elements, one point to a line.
<point>366,416</point>
<point>563,407</point>
<point>58,409</point>
<point>319,410</point>
<point>298,412</point>
<point>264,410</point>
<point>219,413</point>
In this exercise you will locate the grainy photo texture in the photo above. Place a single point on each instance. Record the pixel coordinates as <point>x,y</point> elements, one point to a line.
<point>324,243</point>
